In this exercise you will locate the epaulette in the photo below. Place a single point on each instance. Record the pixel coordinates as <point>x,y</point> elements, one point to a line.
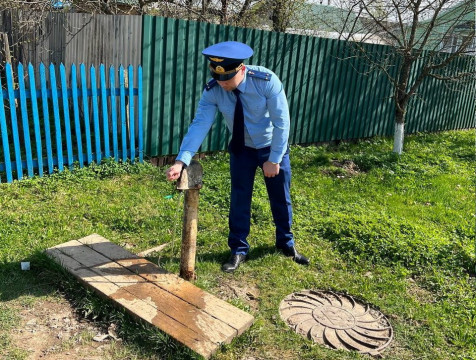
<point>210,84</point>
<point>259,74</point>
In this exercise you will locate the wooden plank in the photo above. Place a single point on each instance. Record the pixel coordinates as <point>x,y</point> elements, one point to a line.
<point>46,118</point>
<point>131,113</point>
<point>176,307</point>
<point>83,273</point>
<point>112,80</point>
<point>87,128</point>
<point>77,124</point>
<point>140,115</point>
<point>66,119</point>
<point>189,314</point>
<point>4,137</point>
<point>152,250</point>
<point>134,306</point>
<point>36,119</point>
<point>105,117</point>
<point>94,96</point>
<point>25,123</point>
<point>105,247</point>
<point>122,101</point>
<point>237,318</point>
<point>54,94</point>
<point>13,119</point>
<point>234,317</point>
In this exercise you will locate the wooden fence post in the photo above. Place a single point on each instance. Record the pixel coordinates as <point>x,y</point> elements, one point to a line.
<point>190,182</point>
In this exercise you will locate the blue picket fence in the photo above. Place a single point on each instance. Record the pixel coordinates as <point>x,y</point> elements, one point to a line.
<point>97,122</point>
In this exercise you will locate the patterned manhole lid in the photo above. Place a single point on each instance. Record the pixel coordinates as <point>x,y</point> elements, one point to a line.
<point>337,321</point>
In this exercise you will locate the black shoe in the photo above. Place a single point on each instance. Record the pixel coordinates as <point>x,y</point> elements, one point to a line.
<point>297,257</point>
<point>233,263</point>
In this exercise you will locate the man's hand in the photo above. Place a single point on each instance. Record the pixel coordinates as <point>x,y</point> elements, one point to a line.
<point>173,172</point>
<point>270,169</point>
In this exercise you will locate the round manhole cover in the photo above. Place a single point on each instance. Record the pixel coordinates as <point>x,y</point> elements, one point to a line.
<point>337,321</point>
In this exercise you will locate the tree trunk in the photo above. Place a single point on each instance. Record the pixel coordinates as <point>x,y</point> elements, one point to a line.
<point>6,48</point>
<point>279,16</point>
<point>398,138</point>
<point>401,101</point>
<point>399,129</point>
<point>189,9</point>
<point>204,7</point>
<point>224,12</point>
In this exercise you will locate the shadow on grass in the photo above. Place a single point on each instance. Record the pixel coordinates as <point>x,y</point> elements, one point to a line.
<point>36,282</point>
<point>369,161</point>
<point>218,257</point>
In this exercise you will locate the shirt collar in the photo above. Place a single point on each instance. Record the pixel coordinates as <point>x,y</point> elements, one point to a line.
<point>242,85</point>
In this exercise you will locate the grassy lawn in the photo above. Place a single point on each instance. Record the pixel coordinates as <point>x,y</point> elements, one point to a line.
<point>395,232</point>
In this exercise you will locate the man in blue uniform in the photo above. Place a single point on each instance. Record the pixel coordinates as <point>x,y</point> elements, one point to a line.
<point>255,108</point>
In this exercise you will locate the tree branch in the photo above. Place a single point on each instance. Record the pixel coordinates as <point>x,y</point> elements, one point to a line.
<point>432,24</point>
<point>460,76</point>
<point>244,8</point>
<point>400,22</point>
<point>415,23</point>
<point>382,66</point>
<point>382,25</point>
<point>428,70</point>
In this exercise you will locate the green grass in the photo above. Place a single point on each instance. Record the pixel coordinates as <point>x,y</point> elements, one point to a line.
<point>396,232</point>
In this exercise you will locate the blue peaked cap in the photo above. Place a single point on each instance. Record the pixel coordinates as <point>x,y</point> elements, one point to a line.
<point>226,58</point>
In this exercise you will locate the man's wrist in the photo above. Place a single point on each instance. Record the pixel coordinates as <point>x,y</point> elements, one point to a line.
<point>274,163</point>
<point>184,156</point>
<point>275,158</point>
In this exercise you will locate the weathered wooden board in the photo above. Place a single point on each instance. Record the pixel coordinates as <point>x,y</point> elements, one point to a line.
<point>192,316</point>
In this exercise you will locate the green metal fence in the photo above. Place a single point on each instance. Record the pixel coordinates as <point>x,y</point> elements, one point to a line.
<point>329,98</point>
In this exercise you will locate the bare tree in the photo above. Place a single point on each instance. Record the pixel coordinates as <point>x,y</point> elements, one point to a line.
<point>433,33</point>
<point>280,17</point>
<point>22,22</point>
<point>281,13</point>
<point>226,12</point>
<point>246,13</point>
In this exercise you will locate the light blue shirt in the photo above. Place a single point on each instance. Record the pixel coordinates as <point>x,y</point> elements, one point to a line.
<point>265,110</point>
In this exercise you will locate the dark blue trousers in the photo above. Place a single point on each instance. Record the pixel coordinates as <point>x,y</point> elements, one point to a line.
<point>243,169</point>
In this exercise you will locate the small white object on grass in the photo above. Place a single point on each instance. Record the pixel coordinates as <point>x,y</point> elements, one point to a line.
<point>25,265</point>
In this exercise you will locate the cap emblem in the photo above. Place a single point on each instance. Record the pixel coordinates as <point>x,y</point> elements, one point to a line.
<point>216,59</point>
<point>219,69</point>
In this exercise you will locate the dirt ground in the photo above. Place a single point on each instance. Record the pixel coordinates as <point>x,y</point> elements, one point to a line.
<point>232,289</point>
<point>52,330</point>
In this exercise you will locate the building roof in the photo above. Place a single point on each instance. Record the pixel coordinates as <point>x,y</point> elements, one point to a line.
<point>458,20</point>
<point>331,22</point>
<point>463,10</point>
<point>324,18</point>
